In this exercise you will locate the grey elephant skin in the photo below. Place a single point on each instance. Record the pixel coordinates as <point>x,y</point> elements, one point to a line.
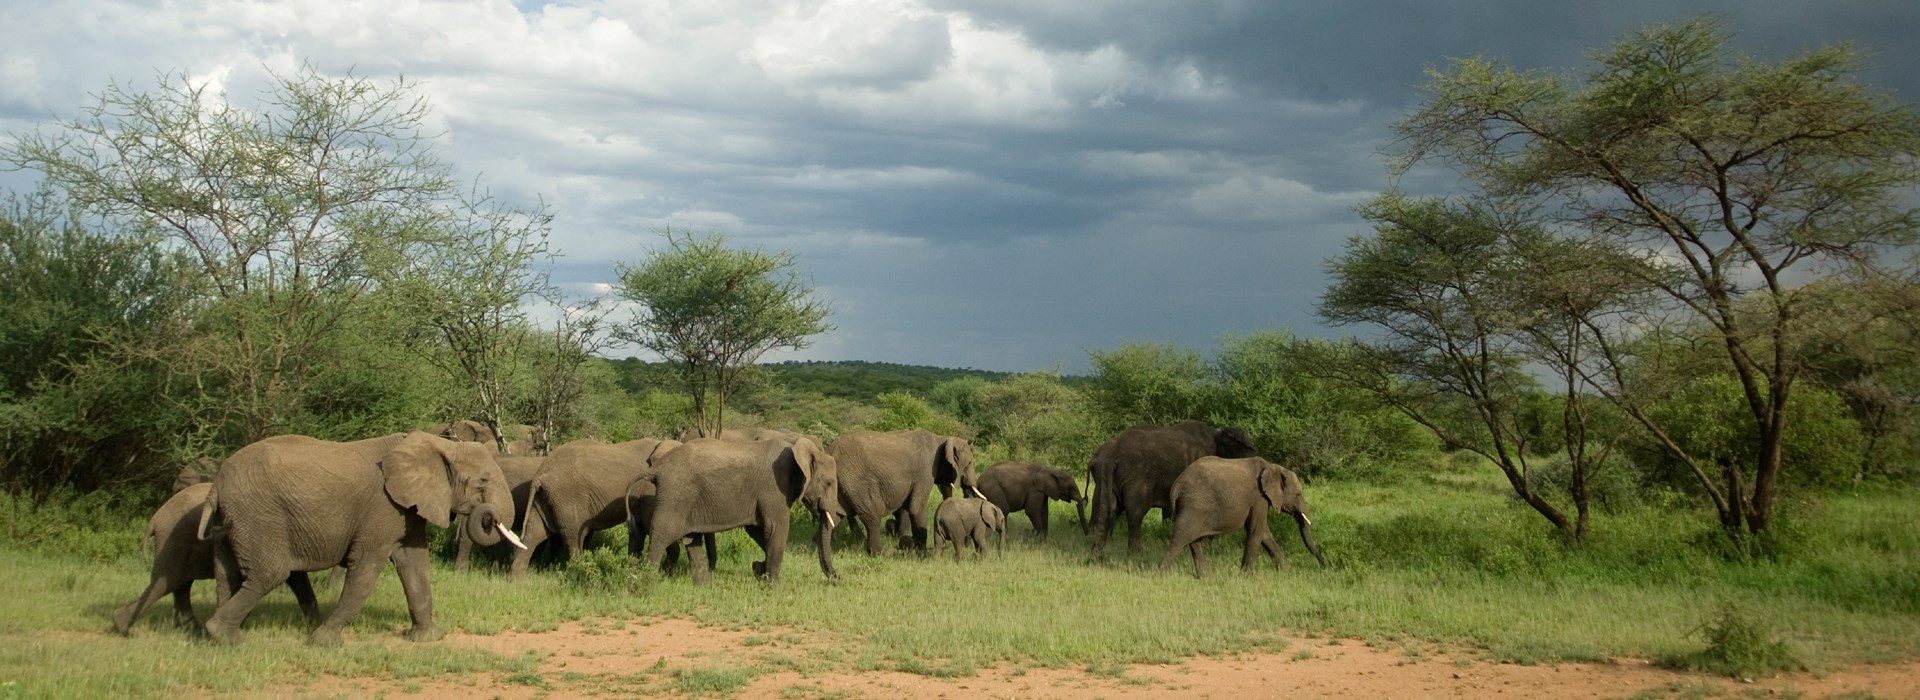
<point>1135,470</point>
<point>894,473</point>
<point>294,503</point>
<point>519,471</point>
<point>1019,487</point>
<point>581,488</point>
<point>1215,495</point>
<point>181,557</point>
<point>962,520</point>
<point>709,486</point>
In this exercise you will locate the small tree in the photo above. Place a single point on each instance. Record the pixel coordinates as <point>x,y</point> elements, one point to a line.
<point>469,288</point>
<point>713,311</point>
<point>559,357</point>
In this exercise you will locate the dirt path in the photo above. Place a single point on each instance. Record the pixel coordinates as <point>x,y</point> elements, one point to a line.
<point>682,659</point>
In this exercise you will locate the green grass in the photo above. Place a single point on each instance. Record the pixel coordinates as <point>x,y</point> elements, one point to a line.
<point>1441,565</point>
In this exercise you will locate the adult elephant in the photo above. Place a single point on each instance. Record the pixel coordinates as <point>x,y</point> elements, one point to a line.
<point>709,486</point>
<point>466,431</point>
<point>883,474</point>
<point>582,488</point>
<point>1017,487</point>
<point>181,557</point>
<point>519,472</point>
<point>1215,495</point>
<point>1135,470</point>
<point>294,503</point>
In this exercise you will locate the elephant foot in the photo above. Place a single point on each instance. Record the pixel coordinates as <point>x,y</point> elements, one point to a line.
<point>759,569</point>
<point>425,634</point>
<point>122,622</point>
<point>325,637</point>
<point>223,633</point>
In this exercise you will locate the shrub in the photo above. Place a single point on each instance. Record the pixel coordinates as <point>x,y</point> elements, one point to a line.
<point>1739,645</point>
<point>608,570</point>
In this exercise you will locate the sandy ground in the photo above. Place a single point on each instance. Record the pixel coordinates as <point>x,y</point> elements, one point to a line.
<point>677,658</point>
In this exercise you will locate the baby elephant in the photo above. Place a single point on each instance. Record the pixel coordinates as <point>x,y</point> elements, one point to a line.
<point>960,519</point>
<point>1215,495</point>
<point>180,557</point>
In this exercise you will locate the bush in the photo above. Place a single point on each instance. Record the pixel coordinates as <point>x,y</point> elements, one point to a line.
<point>1612,486</point>
<point>1739,645</point>
<point>608,570</point>
<point>1709,419</point>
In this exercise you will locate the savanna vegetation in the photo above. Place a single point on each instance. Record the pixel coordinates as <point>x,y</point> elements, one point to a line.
<point>1648,390</point>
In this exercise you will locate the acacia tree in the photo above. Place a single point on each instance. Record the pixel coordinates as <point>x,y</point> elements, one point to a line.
<point>558,357</point>
<point>469,289</point>
<point>1723,175</point>
<point>713,311</point>
<point>293,208</point>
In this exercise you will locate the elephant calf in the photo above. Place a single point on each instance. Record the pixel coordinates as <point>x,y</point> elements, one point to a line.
<point>181,557</point>
<point>1215,495</point>
<point>959,519</point>
<point>1017,486</point>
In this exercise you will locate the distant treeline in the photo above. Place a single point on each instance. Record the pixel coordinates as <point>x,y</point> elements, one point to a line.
<point>855,380</point>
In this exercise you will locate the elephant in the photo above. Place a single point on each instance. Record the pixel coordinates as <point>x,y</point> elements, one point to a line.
<point>744,434</point>
<point>294,503</point>
<point>1017,486</point>
<point>961,519</point>
<point>519,472</point>
<point>1135,470</point>
<point>883,474</point>
<point>198,472</point>
<point>708,486</point>
<point>580,488</point>
<point>1215,495</point>
<point>465,431</point>
<point>525,440</point>
<point>181,557</point>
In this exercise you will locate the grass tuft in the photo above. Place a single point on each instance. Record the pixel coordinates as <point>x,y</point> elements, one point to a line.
<point>1739,645</point>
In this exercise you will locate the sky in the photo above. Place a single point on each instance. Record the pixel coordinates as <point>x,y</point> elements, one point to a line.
<point>995,184</point>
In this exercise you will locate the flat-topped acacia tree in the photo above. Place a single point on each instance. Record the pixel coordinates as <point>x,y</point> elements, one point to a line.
<point>712,311</point>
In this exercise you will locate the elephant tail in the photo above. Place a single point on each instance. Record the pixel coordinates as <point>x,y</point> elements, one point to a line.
<point>533,498</point>
<point>208,512</point>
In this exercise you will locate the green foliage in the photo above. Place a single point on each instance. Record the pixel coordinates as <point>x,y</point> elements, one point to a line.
<point>1147,383</point>
<point>1709,418</point>
<point>607,571</point>
<point>1740,644</point>
<point>904,411</point>
<point>1031,418</point>
<point>712,311</point>
<point>862,381</point>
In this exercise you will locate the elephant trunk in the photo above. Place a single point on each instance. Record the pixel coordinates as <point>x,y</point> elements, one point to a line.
<point>824,542</point>
<point>1306,536</point>
<point>482,527</point>
<point>1080,513</point>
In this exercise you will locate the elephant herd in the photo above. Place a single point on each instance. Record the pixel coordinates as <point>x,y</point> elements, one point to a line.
<point>284,506</point>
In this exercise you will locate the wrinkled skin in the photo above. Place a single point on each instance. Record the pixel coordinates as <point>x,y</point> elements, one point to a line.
<point>745,434</point>
<point>893,474</point>
<point>180,557</point>
<point>1215,495</point>
<point>959,520</point>
<point>1135,470</point>
<point>519,472</point>
<point>582,488</point>
<point>294,503</point>
<point>467,431</point>
<point>1017,487</point>
<point>709,486</point>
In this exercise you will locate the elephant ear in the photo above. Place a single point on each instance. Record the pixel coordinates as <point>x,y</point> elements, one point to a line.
<point>1274,483</point>
<point>805,455</point>
<point>417,477</point>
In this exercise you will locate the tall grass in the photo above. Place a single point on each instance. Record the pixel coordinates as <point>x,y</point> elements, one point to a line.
<point>1447,560</point>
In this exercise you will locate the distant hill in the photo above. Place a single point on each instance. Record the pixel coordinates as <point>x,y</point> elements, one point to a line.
<point>861,381</point>
<point>850,379</point>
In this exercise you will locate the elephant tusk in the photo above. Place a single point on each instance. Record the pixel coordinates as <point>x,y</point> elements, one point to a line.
<point>829,515</point>
<point>977,494</point>
<point>1305,519</point>
<point>502,527</point>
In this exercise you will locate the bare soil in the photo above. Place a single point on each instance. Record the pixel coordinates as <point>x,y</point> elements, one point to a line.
<point>677,658</point>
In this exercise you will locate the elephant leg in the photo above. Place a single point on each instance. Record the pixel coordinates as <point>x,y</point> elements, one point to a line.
<point>413,562</point>
<point>1251,550</point>
<point>636,540</point>
<point>759,535</point>
<point>697,559</point>
<point>1199,557</point>
<point>183,616</point>
<point>363,570</point>
<point>1136,528</point>
<point>1271,545</point>
<point>226,574</point>
<point>916,516</point>
<point>979,537</point>
<point>872,525</point>
<point>903,538</point>
<point>157,587</point>
<point>773,516</point>
<point>713,550</point>
<point>532,535</point>
<point>1036,508</point>
<point>463,545</point>
<point>302,588</point>
<point>224,626</point>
